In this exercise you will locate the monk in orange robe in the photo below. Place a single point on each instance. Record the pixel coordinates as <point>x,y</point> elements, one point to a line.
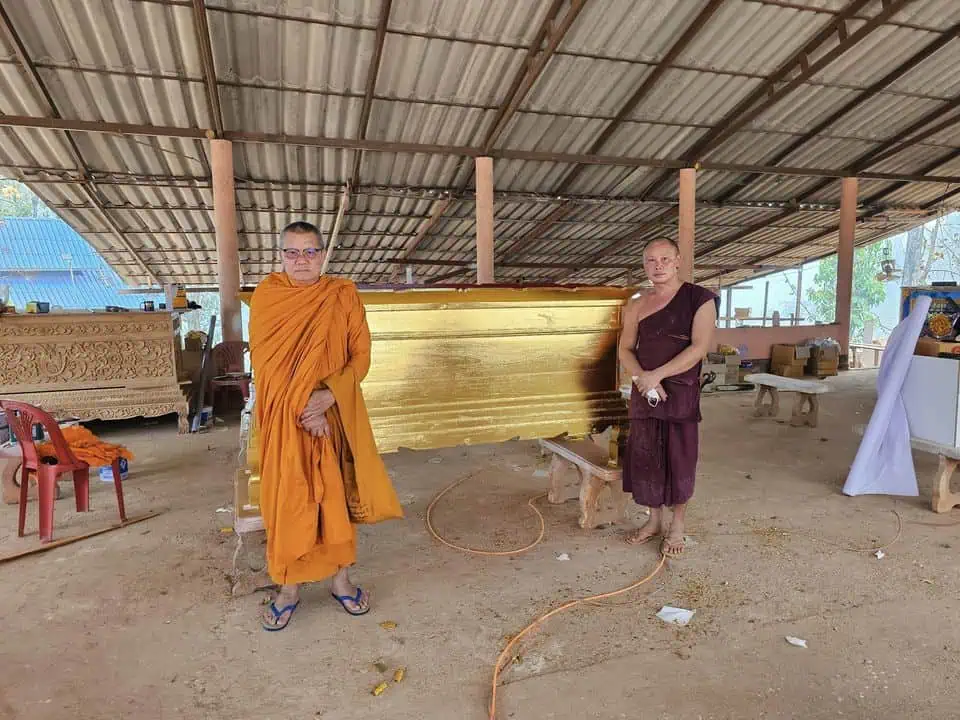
<point>320,472</point>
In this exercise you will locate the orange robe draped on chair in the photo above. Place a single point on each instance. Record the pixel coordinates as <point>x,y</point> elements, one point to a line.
<point>313,490</point>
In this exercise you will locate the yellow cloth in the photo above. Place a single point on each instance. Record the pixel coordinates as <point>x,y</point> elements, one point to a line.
<point>313,489</point>
<point>86,447</point>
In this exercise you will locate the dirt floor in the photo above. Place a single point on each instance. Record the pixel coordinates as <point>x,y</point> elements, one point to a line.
<point>140,623</point>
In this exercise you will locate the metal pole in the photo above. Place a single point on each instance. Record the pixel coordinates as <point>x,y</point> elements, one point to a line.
<point>766,297</point>
<point>344,199</point>
<point>799,293</point>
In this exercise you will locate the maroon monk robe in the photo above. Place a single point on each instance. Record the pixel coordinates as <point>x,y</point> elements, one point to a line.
<point>662,449</point>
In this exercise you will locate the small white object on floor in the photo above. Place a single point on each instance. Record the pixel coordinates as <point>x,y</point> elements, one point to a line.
<point>675,616</point>
<point>880,554</point>
<point>541,474</point>
<point>563,557</point>
<point>435,461</point>
<point>227,509</point>
<point>796,642</point>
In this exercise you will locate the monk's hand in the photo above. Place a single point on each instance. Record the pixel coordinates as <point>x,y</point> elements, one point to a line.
<point>320,401</point>
<point>646,381</point>
<point>316,426</point>
<point>661,392</point>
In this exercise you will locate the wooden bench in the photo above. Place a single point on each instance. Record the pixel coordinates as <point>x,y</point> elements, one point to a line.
<point>806,405</point>
<point>580,469</point>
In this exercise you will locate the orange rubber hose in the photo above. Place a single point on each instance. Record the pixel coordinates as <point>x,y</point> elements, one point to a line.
<point>500,553</point>
<point>546,616</point>
<point>478,551</point>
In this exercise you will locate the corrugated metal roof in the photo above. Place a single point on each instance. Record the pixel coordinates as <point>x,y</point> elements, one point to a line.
<point>44,244</point>
<point>80,290</point>
<point>300,68</point>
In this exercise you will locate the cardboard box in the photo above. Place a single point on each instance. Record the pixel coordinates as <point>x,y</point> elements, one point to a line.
<point>934,348</point>
<point>721,359</point>
<point>827,353</point>
<point>789,355</point>
<point>791,371</point>
<point>823,369</point>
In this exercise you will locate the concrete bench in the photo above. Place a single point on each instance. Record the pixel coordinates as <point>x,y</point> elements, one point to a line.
<point>806,405</point>
<point>581,469</point>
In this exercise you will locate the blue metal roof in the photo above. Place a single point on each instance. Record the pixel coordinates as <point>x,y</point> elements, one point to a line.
<point>43,259</point>
<point>44,244</point>
<point>80,290</point>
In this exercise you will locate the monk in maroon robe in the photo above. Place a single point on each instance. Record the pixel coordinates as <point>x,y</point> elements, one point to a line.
<point>667,331</point>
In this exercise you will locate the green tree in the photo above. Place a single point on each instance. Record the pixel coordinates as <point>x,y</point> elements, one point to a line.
<point>17,200</point>
<point>868,292</point>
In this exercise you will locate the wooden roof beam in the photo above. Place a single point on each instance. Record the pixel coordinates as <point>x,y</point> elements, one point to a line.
<point>876,88</point>
<point>373,72</point>
<point>778,84</point>
<point>640,94</point>
<point>86,185</point>
<point>52,123</point>
<point>545,43</point>
<point>872,200</point>
<point>202,29</point>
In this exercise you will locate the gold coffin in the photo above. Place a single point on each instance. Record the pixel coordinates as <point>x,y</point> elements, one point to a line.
<point>485,365</point>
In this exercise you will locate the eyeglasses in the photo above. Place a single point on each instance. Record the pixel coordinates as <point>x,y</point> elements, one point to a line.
<point>296,253</point>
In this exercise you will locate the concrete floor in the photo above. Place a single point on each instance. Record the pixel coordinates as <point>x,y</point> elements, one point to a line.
<point>139,623</point>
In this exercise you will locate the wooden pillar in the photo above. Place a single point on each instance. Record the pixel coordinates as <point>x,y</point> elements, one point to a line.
<point>848,227</point>
<point>688,212</point>
<point>484,195</point>
<point>228,254</point>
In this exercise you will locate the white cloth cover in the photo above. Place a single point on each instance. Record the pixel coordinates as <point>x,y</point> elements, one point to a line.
<point>884,462</point>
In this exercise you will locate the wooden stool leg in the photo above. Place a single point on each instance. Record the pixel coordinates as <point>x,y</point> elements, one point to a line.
<point>612,504</point>
<point>564,481</point>
<point>813,416</point>
<point>770,409</point>
<point>943,499</point>
<point>758,407</point>
<point>590,489</point>
<point>805,410</point>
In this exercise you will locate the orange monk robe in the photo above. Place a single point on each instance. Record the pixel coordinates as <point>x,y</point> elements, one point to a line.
<point>312,490</point>
<point>86,447</point>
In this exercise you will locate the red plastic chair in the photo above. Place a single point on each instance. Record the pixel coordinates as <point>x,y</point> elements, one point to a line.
<point>22,418</point>
<point>228,364</point>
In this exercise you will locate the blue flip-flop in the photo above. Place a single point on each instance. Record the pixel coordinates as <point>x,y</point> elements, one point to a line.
<point>279,613</point>
<point>343,599</point>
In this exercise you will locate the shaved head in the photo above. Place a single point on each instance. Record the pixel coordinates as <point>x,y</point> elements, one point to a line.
<point>658,241</point>
<point>661,261</point>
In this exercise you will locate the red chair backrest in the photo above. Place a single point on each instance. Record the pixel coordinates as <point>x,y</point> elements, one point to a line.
<point>21,418</point>
<point>228,357</point>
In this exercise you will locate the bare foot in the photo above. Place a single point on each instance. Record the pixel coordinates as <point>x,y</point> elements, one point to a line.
<point>650,530</point>
<point>673,544</point>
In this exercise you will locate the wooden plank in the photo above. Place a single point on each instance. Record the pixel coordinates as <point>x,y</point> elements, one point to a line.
<point>75,538</point>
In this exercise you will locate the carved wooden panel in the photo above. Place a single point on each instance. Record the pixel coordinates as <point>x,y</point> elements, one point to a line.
<point>86,351</point>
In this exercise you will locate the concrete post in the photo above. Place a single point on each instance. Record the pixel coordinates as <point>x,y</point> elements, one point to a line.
<point>484,197</point>
<point>687,220</point>
<point>228,253</point>
<point>848,228</point>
